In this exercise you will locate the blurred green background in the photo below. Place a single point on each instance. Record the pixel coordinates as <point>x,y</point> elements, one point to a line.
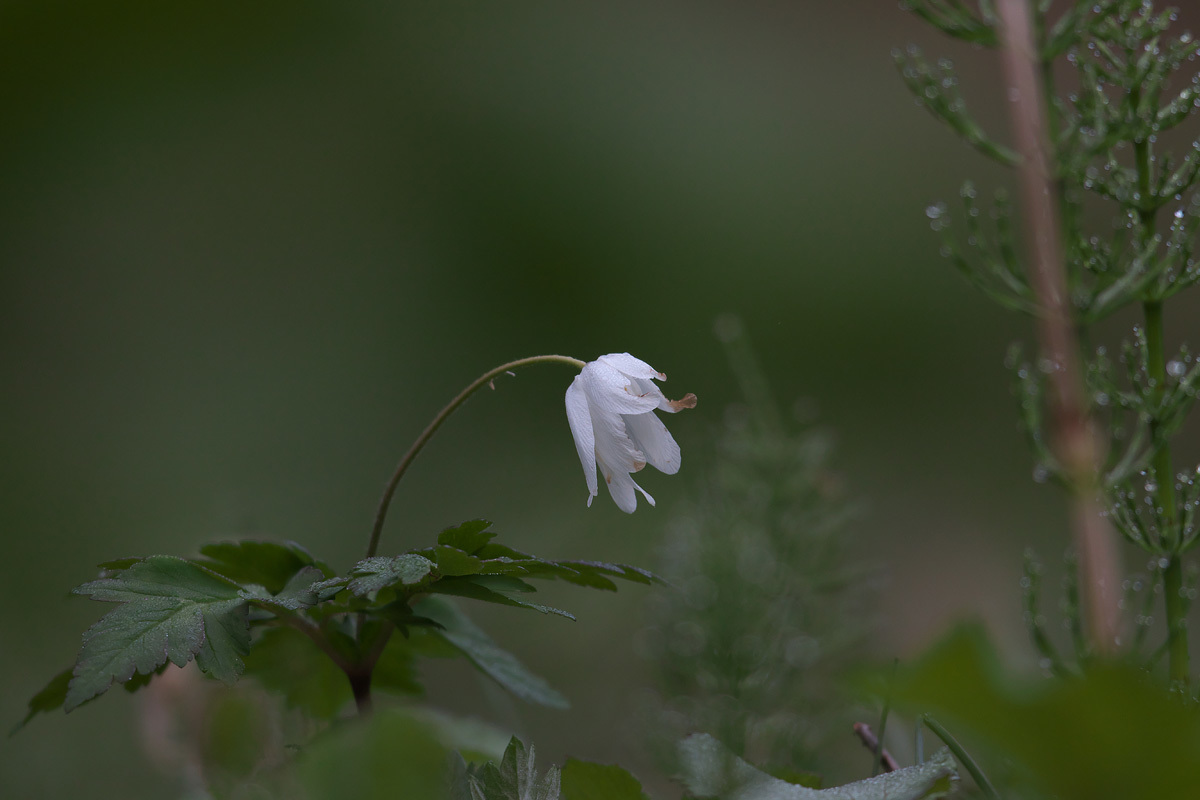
<point>247,251</point>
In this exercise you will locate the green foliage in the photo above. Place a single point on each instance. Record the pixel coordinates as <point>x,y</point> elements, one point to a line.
<point>1110,732</point>
<point>709,770</point>
<point>771,605</point>
<point>281,614</point>
<point>1134,87</point>
<point>583,780</point>
<point>514,778</point>
<point>170,609</point>
<point>285,661</point>
<point>50,698</point>
<point>268,564</point>
<point>468,639</point>
<point>382,757</point>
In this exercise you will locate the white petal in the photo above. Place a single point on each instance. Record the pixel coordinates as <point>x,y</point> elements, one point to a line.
<point>611,390</point>
<point>580,420</point>
<point>614,449</point>
<point>652,438</point>
<point>647,390</point>
<point>621,487</point>
<point>633,367</point>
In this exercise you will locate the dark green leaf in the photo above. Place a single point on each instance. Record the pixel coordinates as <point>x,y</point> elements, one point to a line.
<point>48,699</point>
<point>329,588</point>
<point>233,740</point>
<point>500,665</point>
<point>297,594</point>
<point>711,770</point>
<point>516,778</point>
<point>635,574</point>
<point>468,537</point>
<point>503,583</point>
<point>583,780</point>
<point>378,572</point>
<point>118,564</point>
<point>401,615</point>
<point>268,564</point>
<point>1112,732</point>
<point>387,756</point>
<point>395,671</point>
<point>171,609</point>
<point>452,561</point>
<point>470,588</point>
<point>286,661</point>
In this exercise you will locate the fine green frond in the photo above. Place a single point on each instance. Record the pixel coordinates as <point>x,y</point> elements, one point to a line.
<point>938,92</point>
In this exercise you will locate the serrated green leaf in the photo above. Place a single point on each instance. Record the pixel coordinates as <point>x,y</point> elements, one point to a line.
<point>171,610</point>
<point>710,770</point>
<point>286,661</point>
<point>329,588</point>
<point>501,666</point>
<point>371,575</point>
<point>476,590</point>
<point>624,571</point>
<point>452,561</point>
<point>516,778</point>
<point>49,698</point>
<point>468,537</point>
<point>118,564</point>
<point>297,594</point>
<point>583,780</point>
<point>268,564</point>
<point>503,583</point>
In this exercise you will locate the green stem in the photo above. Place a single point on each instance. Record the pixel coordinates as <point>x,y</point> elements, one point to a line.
<point>963,757</point>
<point>1164,480</point>
<point>483,380</point>
<point>1164,498</point>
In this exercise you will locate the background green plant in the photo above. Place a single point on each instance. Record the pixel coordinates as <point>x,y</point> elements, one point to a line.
<point>242,253</point>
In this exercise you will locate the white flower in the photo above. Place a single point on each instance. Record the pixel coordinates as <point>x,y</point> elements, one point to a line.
<point>610,407</point>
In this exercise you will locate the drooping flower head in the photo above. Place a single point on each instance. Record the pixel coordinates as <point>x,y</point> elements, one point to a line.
<point>610,407</point>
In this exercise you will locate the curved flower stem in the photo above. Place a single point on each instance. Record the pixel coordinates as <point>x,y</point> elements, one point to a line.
<point>427,434</point>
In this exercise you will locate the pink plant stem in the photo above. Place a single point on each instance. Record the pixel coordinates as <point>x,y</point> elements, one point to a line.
<point>1073,436</point>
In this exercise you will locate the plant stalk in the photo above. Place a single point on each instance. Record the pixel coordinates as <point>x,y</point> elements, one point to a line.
<point>964,758</point>
<point>1073,436</point>
<point>1164,497</point>
<point>427,434</point>
<point>1164,480</point>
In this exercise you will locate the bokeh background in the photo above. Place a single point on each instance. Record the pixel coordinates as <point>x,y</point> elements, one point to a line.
<point>247,250</point>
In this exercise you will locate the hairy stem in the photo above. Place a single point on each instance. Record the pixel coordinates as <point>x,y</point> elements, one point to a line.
<point>427,434</point>
<point>1073,436</point>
